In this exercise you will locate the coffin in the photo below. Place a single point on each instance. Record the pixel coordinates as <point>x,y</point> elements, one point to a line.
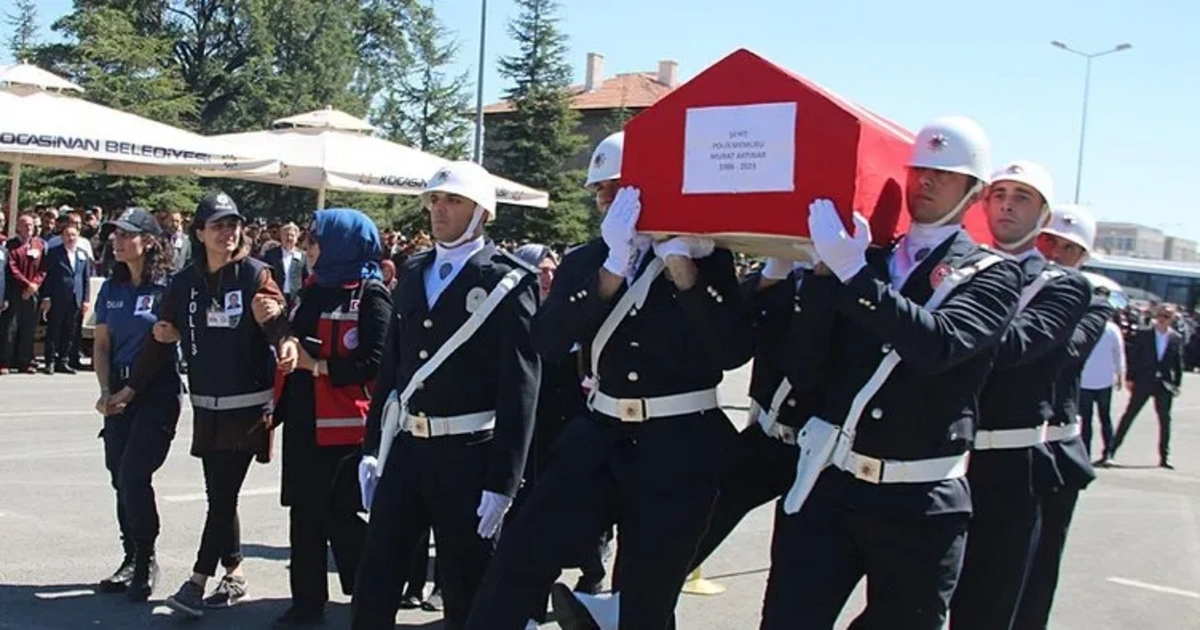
<point>738,153</point>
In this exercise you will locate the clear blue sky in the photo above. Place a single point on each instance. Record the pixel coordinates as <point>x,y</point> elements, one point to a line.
<point>913,61</point>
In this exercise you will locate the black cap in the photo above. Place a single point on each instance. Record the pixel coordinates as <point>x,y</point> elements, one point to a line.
<point>137,220</point>
<point>216,205</point>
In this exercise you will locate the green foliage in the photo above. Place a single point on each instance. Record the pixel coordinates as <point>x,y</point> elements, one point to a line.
<point>24,25</point>
<point>534,143</point>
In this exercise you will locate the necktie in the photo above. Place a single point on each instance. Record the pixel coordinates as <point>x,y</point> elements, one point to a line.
<point>444,270</point>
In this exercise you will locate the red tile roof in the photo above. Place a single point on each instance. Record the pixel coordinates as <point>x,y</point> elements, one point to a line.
<point>635,90</point>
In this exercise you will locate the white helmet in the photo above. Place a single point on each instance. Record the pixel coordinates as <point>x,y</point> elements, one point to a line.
<point>1029,173</point>
<point>955,144</point>
<point>1073,223</point>
<point>606,159</point>
<point>465,179</point>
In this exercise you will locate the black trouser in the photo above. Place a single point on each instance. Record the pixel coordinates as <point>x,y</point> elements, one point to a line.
<point>436,481</point>
<point>20,323</point>
<point>819,554</point>
<point>759,476</point>
<point>60,334</point>
<point>1102,400</point>
<point>314,530</point>
<point>1057,509</point>
<point>136,443</point>
<point>224,472</point>
<point>658,486</point>
<point>1142,392</point>
<point>1001,542</point>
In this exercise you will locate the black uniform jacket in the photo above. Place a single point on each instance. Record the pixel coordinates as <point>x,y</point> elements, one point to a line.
<point>310,472</point>
<point>1072,458</point>
<point>928,406</point>
<point>676,342</point>
<point>777,312</point>
<point>497,369</point>
<point>1020,390</point>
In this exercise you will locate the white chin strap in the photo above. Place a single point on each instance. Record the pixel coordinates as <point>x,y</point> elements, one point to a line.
<point>1009,246</point>
<point>962,204</point>
<point>469,233</point>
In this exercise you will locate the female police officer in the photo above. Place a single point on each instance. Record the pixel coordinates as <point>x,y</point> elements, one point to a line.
<point>327,367</point>
<point>137,436</point>
<point>230,374</point>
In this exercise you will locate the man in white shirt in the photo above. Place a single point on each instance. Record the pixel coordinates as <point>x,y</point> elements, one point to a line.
<point>1105,368</point>
<point>287,262</point>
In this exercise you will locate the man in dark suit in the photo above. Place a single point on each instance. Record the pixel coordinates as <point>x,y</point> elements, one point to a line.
<point>287,262</point>
<point>65,298</point>
<point>1155,370</point>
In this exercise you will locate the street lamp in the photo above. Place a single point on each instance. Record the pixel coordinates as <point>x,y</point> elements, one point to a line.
<point>479,84</point>
<point>1087,80</point>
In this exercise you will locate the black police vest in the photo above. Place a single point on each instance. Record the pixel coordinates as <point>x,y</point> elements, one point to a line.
<point>225,361</point>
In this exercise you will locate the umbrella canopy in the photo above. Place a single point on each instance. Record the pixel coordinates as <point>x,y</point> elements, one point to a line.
<point>334,157</point>
<point>27,74</point>
<point>52,129</point>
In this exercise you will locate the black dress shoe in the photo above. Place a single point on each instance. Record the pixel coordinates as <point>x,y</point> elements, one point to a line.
<point>1166,464</point>
<point>48,370</point>
<point>64,369</point>
<point>569,612</point>
<point>119,580</point>
<point>410,602</point>
<point>299,617</point>
<point>433,603</point>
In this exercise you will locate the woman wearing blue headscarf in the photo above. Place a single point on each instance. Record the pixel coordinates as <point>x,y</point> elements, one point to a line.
<point>327,364</point>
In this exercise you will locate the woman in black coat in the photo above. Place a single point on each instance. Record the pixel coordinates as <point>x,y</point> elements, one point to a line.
<point>327,364</point>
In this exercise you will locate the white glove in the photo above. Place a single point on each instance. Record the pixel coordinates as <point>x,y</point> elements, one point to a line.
<point>845,255</point>
<point>368,478</point>
<point>619,228</point>
<point>687,246</point>
<point>492,508</point>
<point>777,269</point>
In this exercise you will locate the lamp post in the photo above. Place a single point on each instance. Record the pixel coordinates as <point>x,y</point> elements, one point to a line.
<point>1087,80</point>
<point>479,83</point>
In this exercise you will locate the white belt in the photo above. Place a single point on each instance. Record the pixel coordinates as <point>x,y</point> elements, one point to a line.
<point>423,426</point>
<point>643,409</point>
<point>770,426</point>
<point>1060,432</point>
<point>226,403</point>
<point>877,471</point>
<point>1010,438</point>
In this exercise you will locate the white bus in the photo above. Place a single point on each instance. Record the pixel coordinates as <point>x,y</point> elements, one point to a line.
<point>1169,281</point>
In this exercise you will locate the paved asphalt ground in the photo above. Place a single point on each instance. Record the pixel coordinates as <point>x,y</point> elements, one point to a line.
<point>1133,559</point>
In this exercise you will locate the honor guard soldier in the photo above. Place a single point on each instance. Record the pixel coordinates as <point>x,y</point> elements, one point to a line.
<point>1067,241</point>
<point>881,472</point>
<point>453,411</point>
<point>659,323</point>
<point>766,460</point>
<point>207,309</point>
<point>1012,467</point>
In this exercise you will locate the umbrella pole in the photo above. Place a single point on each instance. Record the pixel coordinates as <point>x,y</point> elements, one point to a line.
<point>14,189</point>
<point>321,197</point>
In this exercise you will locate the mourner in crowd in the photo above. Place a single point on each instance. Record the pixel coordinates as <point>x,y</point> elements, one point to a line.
<point>1155,372</point>
<point>138,433</point>
<point>327,367</point>
<point>65,299</point>
<point>230,377</point>
<point>26,272</point>
<point>1103,371</point>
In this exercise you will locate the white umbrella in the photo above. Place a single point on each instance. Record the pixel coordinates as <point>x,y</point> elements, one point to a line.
<point>28,74</point>
<point>52,129</point>
<point>330,150</point>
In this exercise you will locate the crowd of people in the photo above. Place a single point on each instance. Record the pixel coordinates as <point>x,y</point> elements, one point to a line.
<point>915,417</point>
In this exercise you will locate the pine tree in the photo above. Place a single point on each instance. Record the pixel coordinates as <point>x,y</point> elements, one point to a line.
<point>423,108</point>
<point>533,144</point>
<point>24,25</point>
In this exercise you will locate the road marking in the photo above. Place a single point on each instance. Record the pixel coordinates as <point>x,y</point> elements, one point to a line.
<point>1154,587</point>
<point>82,592</point>
<point>200,496</point>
